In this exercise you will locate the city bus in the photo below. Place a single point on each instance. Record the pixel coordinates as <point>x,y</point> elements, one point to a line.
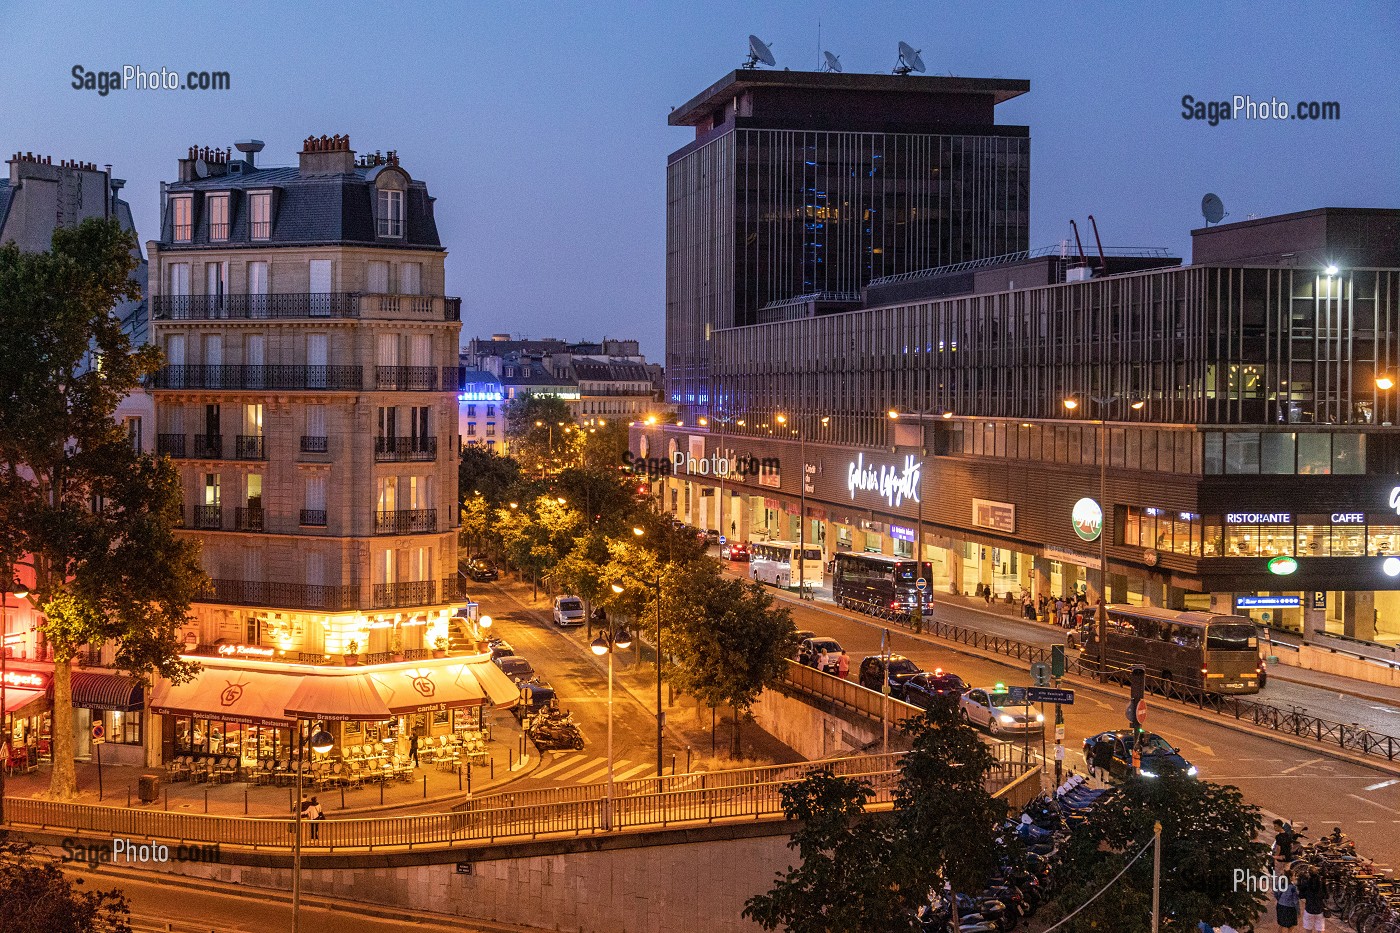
<point>869,582</point>
<point>775,563</point>
<point>1202,651</point>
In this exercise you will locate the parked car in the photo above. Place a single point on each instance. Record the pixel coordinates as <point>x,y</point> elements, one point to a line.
<point>873,673</point>
<point>1159,757</point>
<point>931,687</point>
<point>812,646</point>
<point>482,570</point>
<point>802,635</point>
<point>500,648</point>
<point>568,610</point>
<point>534,697</point>
<point>734,550</point>
<point>993,710</point>
<point>517,669</point>
<point>712,536</point>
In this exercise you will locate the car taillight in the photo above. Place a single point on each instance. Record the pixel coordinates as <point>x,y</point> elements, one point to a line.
<point>894,604</point>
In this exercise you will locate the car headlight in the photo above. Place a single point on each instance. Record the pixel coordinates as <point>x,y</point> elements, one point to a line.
<point>1039,717</point>
<point>1191,771</point>
<point>1007,720</point>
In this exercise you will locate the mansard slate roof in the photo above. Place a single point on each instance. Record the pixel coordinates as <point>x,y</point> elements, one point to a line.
<point>306,210</point>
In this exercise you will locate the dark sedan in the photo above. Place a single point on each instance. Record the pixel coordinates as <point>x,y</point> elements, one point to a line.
<point>926,689</point>
<point>1114,751</point>
<point>482,571</point>
<point>517,669</point>
<point>873,673</point>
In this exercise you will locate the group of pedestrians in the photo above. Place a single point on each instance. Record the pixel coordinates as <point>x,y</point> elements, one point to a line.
<point>829,662</point>
<point>1303,886</point>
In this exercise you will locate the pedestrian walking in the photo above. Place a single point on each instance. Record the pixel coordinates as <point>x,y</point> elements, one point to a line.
<point>987,593</point>
<point>843,665</point>
<point>1312,891</point>
<point>1060,610</point>
<point>1286,910</point>
<point>313,812</point>
<point>1027,607</point>
<point>1284,840</point>
<point>823,659</point>
<point>1102,764</point>
<point>413,748</point>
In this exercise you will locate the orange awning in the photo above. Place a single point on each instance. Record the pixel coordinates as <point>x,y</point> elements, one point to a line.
<point>419,689</point>
<point>230,694</point>
<point>338,699</point>
<point>16,699</point>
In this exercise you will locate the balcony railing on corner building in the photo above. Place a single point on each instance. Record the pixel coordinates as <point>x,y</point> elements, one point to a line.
<point>338,378</point>
<point>250,447</point>
<point>303,305</point>
<point>403,595</point>
<point>248,519</point>
<point>401,449</point>
<point>405,522</point>
<point>208,446</point>
<point>286,595</point>
<point>314,444</point>
<point>407,378</point>
<point>313,518</point>
<point>170,445</point>
<point>209,517</point>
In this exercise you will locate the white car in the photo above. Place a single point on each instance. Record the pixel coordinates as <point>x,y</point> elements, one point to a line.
<point>993,710</point>
<point>568,610</point>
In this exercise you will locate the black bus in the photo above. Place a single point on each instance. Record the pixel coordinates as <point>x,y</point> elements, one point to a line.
<point>878,584</point>
<point>1205,651</point>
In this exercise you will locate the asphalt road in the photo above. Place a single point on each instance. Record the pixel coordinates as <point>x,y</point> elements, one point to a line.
<point>1305,786</point>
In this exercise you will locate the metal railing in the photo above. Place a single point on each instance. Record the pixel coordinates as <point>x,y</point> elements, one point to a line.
<point>249,447</point>
<point>209,517</point>
<point>1296,722</point>
<point>272,377</point>
<point>847,693</point>
<point>1142,252</point>
<point>696,798</point>
<point>286,595</point>
<point>405,522</point>
<point>403,595</point>
<point>406,378</point>
<point>170,445</point>
<point>314,444</point>
<point>208,447</point>
<point>313,518</point>
<point>389,449</point>
<point>297,305</point>
<point>248,519</point>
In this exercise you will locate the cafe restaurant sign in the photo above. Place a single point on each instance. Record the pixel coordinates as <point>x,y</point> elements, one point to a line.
<point>891,484</point>
<point>245,651</point>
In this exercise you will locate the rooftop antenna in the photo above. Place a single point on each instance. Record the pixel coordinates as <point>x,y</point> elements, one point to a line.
<point>1212,209</point>
<point>909,59</point>
<point>833,62</point>
<point>759,53</point>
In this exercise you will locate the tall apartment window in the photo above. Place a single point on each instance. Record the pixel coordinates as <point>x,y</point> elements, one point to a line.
<point>133,433</point>
<point>391,213</point>
<point>211,420</point>
<point>411,278</point>
<point>257,289</point>
<point>471,429</point>
<point>490,411</point>
<point>316,493</point>
<point>377,277</point>
<point>490,429</point>
<point>418,425</point>
<point>260,215</point>
<point>179,279</point>
<point>471,411</point>
<point>255,490</point>
<point>182,218</point>
<point>217,208</point>
<point>387,494</point>
<point>211,489</point>
<point>388,421</point>
<point>253,420</point>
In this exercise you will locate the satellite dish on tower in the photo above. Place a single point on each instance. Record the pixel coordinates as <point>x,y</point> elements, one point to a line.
<point>909,59</point>
<point>759,54</point>
<point>1212,209</point>
<point>833,62</point>
<point>201,168</point>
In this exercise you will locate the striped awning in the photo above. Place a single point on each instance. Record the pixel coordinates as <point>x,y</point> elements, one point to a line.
<point>93,690</point>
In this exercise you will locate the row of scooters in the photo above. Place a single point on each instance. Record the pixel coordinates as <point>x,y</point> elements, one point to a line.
<point>1027,875</point>
<point>553,728</point>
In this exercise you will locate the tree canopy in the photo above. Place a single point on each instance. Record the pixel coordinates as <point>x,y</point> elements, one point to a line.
<point>36,897</point>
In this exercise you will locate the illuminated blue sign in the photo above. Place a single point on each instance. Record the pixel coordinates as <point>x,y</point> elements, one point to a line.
<point>900,533</point>
<point>1268,602</point>
<point>487,396</point>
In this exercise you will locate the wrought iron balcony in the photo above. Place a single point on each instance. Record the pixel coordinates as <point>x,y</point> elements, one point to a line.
<point>170,445</point>
<point>209,517</point>
<point>338,378</point>
<point>390,449</point>
<point>407,378</point>
<point>314,444</point>
<point>248,519</point>
<point>313,518</point>
<point>452,309</point>
<point>405,522</point>
<point>286,595</point>
<point>250,447</point>
<point>209,446</point>
<point>302,305</point>
<point>401,595</point>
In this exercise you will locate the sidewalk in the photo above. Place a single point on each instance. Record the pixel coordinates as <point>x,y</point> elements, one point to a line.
<point>431,788</point>
<point>688,724</point>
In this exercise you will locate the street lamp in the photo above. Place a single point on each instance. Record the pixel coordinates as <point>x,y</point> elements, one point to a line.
<point>802,519</point>
<point>607,642</point>
<point>660,717</point>
<point>321,743</point>
<point>21,591</point>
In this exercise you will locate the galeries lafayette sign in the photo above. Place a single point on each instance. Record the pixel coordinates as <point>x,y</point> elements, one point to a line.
<point>891,484</point>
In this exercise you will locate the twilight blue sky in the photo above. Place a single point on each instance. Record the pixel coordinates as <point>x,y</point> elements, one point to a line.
<point>541,128</point>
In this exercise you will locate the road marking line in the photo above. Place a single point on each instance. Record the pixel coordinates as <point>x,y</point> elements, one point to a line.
<point>596,776</point>
<point>1371,802</point>
<point>1384,784</point>
<point>630,772</point>
<point>563,762</point>
<point>1311,761</point>
<point>573,774</point>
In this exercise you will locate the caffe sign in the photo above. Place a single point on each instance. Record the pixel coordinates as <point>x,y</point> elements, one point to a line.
<point>893,484</point>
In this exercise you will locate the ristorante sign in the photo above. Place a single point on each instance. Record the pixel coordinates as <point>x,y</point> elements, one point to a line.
<point>892,484</point>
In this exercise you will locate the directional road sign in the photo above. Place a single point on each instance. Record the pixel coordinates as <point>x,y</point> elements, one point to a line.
<point>1018,695</point>
<point>1050,695</point>
<point>1040,673</point>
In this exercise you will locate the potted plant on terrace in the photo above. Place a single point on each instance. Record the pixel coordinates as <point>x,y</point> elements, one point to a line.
<point>440,648</point>
<point>396,645</point>
<point>351,657</point>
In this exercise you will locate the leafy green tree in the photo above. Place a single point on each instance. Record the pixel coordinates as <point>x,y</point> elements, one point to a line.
<point>1208,832</point>
<point>476,521</point>
<point>604,444</point>
<point>535,432</point>
<point>484,471</point>
<point>733,646</point>
<point>947,822</point>
<point>94,517</point>
<point>36,897</point>
<point>842,882</point>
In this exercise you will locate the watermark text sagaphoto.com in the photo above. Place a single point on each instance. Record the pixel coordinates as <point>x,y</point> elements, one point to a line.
<point>134,77</point>
<point>129,852</point>
<point>1245,107</point>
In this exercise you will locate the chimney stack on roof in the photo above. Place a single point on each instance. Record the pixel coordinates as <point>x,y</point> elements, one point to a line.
<point>327,155</point>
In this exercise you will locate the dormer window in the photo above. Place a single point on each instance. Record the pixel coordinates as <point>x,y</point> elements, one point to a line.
<point>217,209</point>
<point>390,213</point>
<point>182,219</point>
<point>260,215</point>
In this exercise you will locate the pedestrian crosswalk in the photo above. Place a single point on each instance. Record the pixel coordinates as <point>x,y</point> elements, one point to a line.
<point>577,768</point>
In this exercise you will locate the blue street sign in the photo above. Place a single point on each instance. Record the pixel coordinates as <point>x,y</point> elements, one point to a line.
<point>722,539</point>
<point>1050,695</point>
<point>1018,695</point>
<point>921,584</point>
